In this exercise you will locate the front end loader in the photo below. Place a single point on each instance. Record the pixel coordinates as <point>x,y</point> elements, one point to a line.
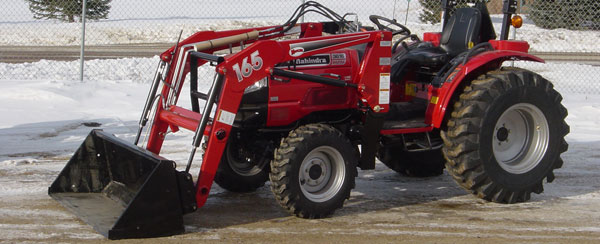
<point>304,105</point>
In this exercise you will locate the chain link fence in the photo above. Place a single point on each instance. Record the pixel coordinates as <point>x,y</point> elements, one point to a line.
<point>562,31</point>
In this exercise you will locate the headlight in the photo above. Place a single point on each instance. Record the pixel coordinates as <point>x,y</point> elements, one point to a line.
<point>257,86</point>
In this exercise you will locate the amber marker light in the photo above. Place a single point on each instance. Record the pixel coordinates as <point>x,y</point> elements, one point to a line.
<point>517,21</point>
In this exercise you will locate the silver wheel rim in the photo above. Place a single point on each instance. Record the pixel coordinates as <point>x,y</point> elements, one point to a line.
<point>322,174</point>
<point>242,165</point>
<point>520,138</point>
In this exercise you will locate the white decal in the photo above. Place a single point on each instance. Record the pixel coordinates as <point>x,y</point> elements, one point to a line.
<point>384,88</point>
<point>385,43</point>
<point>226,117</point>
<point>338,58</point>
<point>385,61</point>
<point>384,97</point>
<point>297,51</point>
<point>246,69</point>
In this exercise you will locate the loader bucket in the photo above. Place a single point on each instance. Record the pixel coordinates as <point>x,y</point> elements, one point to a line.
<point>124,191</point>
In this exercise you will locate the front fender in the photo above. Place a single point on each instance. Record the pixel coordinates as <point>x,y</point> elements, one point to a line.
<point>464,73</point>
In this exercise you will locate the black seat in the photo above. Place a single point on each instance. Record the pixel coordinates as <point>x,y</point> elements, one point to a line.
<point>462,31</point>
<point>467,27</point>
<point>424,54</point>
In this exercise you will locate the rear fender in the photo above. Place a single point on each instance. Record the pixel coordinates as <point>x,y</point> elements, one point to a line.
<point>477,65</point>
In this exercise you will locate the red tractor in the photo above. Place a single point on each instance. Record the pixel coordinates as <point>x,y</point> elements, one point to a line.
<point>305,104</point>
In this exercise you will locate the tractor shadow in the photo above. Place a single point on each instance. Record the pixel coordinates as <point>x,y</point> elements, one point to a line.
<point>378,189</point>
<point>224,209</point>
<point>384,190</point>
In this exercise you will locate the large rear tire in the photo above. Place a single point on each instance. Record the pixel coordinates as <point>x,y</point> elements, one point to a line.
<point>242,169</point>
<point>505,135</point>
<point>313,171</point>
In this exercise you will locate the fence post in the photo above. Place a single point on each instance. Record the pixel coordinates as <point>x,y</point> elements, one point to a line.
<point>81,55</point>
<point>407,8</point>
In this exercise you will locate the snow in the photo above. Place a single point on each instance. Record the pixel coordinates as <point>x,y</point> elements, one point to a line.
<point>159,21</point>
<point>49,117</point>
<point>46,108</point>
<point>46,112</point>
<point>39,92</point>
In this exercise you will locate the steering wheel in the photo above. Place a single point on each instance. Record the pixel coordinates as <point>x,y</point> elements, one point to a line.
<point>403,30</point>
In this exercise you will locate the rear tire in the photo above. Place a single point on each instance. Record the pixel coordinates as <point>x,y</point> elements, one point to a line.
<point>313,171</point>
<point>241,170</point>
<point>505,135</point>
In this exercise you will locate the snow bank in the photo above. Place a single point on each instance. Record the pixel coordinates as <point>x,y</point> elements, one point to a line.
<point>158,21</point>
<point>49,114</point>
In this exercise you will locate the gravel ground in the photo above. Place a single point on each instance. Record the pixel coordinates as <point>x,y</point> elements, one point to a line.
<point>384,208</point>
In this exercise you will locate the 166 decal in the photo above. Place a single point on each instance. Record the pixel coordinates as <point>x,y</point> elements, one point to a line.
<point>246,68</point>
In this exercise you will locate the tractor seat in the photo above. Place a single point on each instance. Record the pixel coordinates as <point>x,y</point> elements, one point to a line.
<point>426,54</point>
<point>463,30</point>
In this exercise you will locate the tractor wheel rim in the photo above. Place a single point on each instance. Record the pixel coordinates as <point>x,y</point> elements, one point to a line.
<point>520,138</point>
<point>322,174</point>
<point>242,165</point>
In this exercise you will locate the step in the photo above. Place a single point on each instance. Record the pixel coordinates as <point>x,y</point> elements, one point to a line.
<point>418,122</point>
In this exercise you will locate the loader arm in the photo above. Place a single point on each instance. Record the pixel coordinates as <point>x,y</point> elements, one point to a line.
<point>320,92</point>
<point>242,69</point>
<point>258,61</point>
<point>178,59</point>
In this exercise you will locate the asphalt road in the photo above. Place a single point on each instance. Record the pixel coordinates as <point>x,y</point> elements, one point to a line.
<point>22,54</point>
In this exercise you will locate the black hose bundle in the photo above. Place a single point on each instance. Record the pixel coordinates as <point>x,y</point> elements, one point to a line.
<point>315,7</point>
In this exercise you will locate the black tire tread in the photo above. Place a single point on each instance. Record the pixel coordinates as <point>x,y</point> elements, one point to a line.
<point>231,181</point>
<point>461,136</point>
<point>280,166</point>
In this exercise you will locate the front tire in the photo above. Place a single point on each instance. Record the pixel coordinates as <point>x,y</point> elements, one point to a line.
<point>242,168</point>
<point>506,135</point>
<point>313,171</point>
